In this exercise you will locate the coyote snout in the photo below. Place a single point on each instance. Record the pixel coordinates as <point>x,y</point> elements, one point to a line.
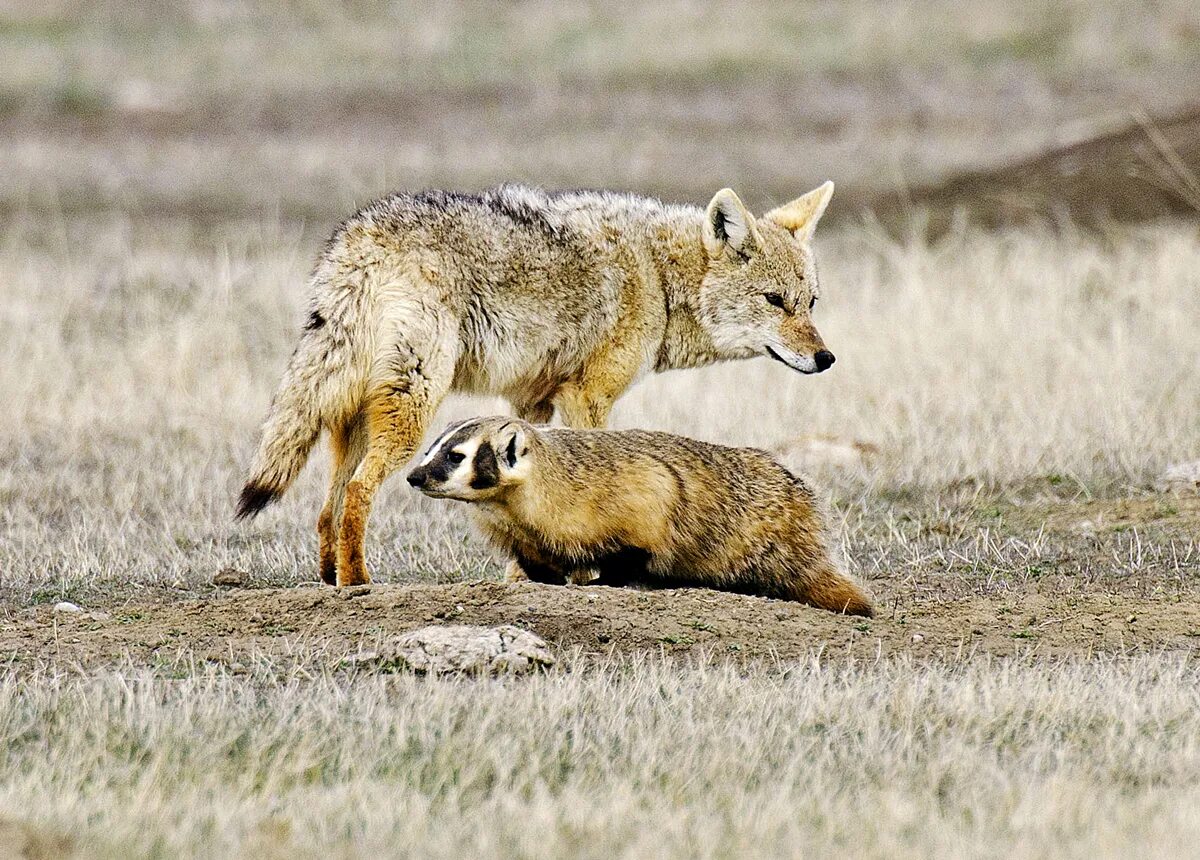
<point>799,344</point>
<point>819,361</point>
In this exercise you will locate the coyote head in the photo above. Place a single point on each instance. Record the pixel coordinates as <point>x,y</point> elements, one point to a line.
<point>758,294</point>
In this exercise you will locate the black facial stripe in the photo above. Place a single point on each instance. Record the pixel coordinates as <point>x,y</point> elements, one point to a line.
<point>511,454</point>
<point>447,443</point>
<point>461,435</point>
<point>441,469</point>
<point>485,474</point>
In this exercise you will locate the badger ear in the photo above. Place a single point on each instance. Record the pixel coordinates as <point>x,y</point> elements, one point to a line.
<point>728,225</point>
<point>512,446</point>
<point>802,214</point>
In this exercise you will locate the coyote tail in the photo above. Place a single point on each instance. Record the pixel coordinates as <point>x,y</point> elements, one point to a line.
<point>320,371</point>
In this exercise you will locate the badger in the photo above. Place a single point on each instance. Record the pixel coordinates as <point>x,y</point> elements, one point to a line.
<point>635,507</point>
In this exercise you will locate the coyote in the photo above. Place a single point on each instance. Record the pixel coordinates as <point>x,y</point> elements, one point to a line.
<point>554,300</point>
<point>639,507</point>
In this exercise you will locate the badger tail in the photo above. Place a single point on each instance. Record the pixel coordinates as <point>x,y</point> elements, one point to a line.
<point>832,590</point>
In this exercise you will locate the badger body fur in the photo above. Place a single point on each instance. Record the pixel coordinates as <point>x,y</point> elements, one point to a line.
<point>635,506</point>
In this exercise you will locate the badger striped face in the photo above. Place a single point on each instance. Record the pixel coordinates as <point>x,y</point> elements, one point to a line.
<point>472,460</point>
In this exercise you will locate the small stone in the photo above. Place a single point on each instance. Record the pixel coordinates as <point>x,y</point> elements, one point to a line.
<point>230,578</point>
<point>1131,619</point>
<point>67,606</point>
<point>917,638</point>
<point>363,658</point>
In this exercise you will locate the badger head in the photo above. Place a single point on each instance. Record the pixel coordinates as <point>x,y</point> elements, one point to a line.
<point>475,460</point>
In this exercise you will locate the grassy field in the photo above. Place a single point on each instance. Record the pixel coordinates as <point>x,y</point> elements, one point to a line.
<point>638,759</point>
<point>1030,685</point>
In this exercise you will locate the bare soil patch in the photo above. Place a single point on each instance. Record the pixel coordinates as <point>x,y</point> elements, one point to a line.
<point>245,625</point>
<point>1139,170</point>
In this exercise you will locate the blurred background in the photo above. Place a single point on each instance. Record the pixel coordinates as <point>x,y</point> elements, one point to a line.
<point>211,109</point>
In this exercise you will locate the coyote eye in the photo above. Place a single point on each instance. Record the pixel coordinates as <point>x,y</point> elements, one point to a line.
<point>774,299</point>
<point>456,456</point>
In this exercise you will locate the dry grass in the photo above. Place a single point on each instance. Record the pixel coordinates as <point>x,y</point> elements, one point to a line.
<point>637,760</point>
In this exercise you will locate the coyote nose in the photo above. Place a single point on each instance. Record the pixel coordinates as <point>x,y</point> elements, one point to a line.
<point>417,479</point>
<point>824,360</point>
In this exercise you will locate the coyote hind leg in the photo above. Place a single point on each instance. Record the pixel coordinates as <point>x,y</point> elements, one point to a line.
<point>349,444</point>
<point>398,408</point>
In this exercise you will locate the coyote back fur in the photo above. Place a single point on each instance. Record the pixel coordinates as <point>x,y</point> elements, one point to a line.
<point>552,300</point>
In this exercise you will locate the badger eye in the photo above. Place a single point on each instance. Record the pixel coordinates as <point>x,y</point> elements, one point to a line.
<point>774,299</point>
<point>456,456</point>
<point>812,303</point>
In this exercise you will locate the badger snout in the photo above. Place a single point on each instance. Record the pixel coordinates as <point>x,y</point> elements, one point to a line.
<point>418,477</point>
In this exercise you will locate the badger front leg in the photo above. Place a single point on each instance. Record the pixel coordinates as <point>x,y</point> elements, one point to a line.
<point>525,568</point>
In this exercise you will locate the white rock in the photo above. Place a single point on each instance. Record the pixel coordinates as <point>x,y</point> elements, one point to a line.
<point>67,606</point>
<point>464,649</point>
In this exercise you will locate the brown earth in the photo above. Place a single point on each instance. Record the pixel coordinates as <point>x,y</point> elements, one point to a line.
<point>243,626</point>
<point>1141,169</point>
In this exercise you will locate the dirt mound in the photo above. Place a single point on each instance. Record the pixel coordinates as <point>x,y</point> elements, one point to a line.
<point>290,624</point>
<point>1144,169</point>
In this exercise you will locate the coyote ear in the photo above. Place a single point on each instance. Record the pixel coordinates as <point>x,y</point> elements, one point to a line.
<point>802,214</point>
<point>728,224</point>
<point>513,445</point>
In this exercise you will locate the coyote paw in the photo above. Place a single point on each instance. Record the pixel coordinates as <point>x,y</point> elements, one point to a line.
<point>353,576</point>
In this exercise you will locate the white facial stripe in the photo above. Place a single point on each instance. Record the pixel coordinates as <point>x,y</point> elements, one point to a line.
<point>461,476</point>
<point>437,443</point>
